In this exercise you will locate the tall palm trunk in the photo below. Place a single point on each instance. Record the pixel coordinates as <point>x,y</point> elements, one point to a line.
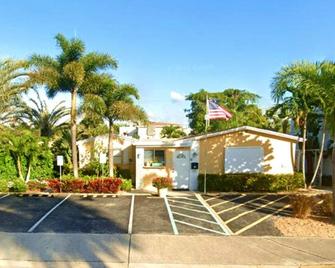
<point>333,177</point>
<point>304,150</point>
<point>321,152</point>
<point>19,167</point>
<point>110,150</point>
<point>28,172</point>
<point>74,132</point>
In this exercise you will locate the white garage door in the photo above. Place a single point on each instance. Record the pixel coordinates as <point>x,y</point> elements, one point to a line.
<point>243,159</point>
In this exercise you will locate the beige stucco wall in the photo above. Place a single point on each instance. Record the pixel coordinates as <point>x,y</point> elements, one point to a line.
<point>279,153</point>
<point>90,149</point>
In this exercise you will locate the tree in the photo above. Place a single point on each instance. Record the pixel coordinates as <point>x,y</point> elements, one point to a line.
<point>48,123</point>
<point>113,102</point>
<point>25,148</point>
<point>172,132</point>
<point>289,91</point>
<point>14,80</point>
<point>241,103</point>
<point>69,72</point>
<point>91,127</point>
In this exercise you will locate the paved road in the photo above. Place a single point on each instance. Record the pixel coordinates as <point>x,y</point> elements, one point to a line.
<point>147,250</point>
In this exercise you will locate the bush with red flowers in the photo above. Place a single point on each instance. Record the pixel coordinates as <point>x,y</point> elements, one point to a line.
<point>162,182</point>
<point>96,185</point>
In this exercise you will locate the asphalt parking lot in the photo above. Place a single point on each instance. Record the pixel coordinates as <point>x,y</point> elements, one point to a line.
<point>250,214</point>
<point>190,214</point>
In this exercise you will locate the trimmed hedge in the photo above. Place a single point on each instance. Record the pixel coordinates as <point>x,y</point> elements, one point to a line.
<point>251,182</point>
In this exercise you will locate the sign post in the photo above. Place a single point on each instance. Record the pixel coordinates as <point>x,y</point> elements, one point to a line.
<point>60,163</point>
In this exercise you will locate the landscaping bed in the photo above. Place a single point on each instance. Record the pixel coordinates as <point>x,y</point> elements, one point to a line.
<point>312,210</point>
<point>68,185</point>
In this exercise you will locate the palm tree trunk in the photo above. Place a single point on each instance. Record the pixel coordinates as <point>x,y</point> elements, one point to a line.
<point>74,132</point>
<point>321,152</point>
<point>19,167</point>
<point>333,177</point>
<point>28,172</point>
<point>304,150</point>
<point>110,150</point>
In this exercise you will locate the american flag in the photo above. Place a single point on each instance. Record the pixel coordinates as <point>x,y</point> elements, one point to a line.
<point>215,111</point>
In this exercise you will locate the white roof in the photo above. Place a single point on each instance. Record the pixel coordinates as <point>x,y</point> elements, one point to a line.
<point>246,128</point>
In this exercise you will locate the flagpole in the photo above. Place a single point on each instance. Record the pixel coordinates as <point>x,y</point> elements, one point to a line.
<point>206,153</point>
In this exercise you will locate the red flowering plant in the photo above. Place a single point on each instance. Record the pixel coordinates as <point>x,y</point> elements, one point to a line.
<point>162,182</point>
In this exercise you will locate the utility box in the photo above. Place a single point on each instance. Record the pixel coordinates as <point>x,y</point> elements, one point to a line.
<point>194,165</point>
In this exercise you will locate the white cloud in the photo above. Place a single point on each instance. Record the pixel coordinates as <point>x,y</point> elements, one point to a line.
<point>176,96</point>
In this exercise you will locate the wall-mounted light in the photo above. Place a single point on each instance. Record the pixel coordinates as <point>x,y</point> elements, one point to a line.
<point>194,155</point>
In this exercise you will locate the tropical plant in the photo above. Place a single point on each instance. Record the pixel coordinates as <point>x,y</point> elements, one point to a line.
<point>14,80</point>
<point>113,102</point>
<point>172,132</point>
<point>71,71</point>
<point>289,91</point>
<point>26,150</point>
<point>47,123</point>
<point>241,103</point>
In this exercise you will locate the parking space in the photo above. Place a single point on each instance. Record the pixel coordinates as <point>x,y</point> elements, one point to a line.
<point>249,214</point>
<point>191,216</point>
<point>18,214</point>
<point>88,214</point>
<point>151,216</point>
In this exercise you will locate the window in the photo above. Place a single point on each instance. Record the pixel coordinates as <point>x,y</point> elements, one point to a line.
<point>154,158</point>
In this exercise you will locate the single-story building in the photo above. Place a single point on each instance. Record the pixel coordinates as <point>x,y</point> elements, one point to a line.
<point>239,150</point>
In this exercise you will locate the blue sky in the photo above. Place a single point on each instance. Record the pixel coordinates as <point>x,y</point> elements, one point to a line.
<point>178,46</point>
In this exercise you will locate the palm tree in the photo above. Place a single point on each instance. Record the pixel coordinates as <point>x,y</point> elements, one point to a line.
<point>13,81</point>
<point>23,146</point>
<point>71,71</point>
<point>172,132</point>
<point>289,90</point>
<point>48,123</point>
<point>113,102</point>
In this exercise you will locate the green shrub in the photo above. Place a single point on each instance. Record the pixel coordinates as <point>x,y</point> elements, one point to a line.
<point>7,166</point>
<point>122,173</point>
<point>3,185</point>
<point>17,185</point>
<point>126,185</point>
<point>94,168</point>
<point>251,182</point>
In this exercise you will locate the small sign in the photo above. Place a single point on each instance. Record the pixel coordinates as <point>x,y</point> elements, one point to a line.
<point>60,160</point>
<point>102,158</point>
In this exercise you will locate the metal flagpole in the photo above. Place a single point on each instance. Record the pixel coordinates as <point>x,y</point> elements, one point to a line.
<point>206,154</point>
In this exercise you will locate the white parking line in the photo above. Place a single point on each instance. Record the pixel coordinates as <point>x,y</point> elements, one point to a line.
<point>240,205</point>
<point>4,196</point>
<point>173,223</point>
<point>186,203</point>
<point>226,201</point>
<point>131,215</point>
<point>211,198</point>
<point>253,210</point>
<point>182,197</point>
<point>220,222</point>
<point>195,218</point>
<point>190,209</point>
<point>47,214</point>
<point>200,227</point>
<point>261,219</point>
